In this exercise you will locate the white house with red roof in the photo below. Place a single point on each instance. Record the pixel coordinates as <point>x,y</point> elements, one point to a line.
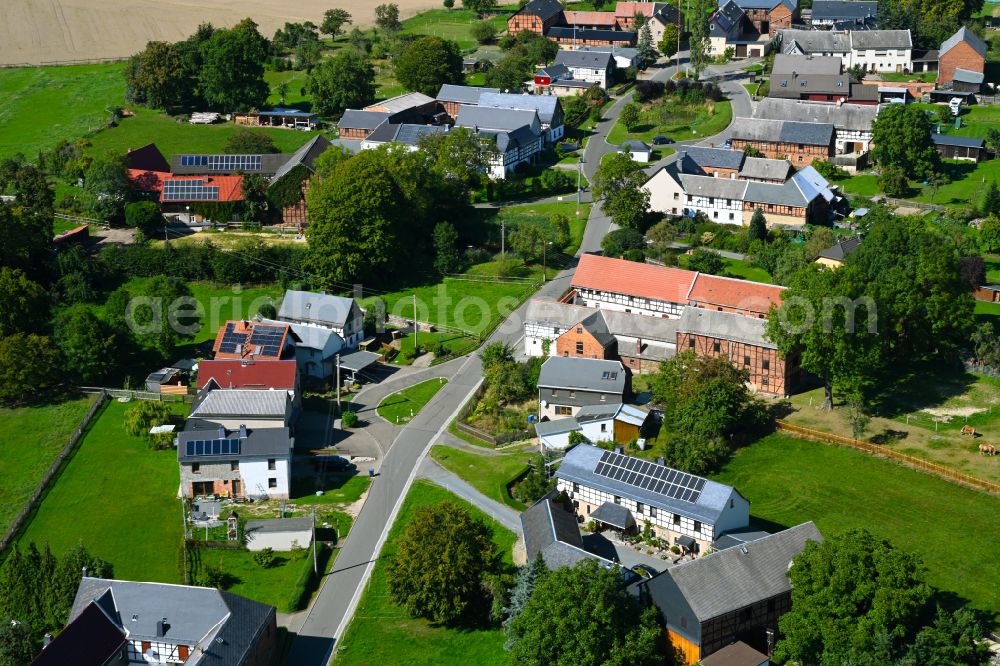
<point>628,286</point>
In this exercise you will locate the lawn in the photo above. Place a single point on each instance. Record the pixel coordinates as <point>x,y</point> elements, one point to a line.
<point>488,474</point>
<point>923,77</point>
<point>296,80</point>
<point>684,121</point>
<point>383,633</point>
<point>275,585</point>
<point>221,303</point>
<point>453,344</point>
<point>175,136</point>
<point>789,481</point>
<point>403,405</point>
<point>742,269</point>
<point>32,438</point>
<point>119,499</point>
<point>453,24</point>
<point>41,105</point>
<point>987,312</point>
<point>338,490</point>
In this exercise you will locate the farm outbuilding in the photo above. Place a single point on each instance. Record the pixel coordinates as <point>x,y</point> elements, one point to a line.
<point>279,117</point>
<point>281,534</point>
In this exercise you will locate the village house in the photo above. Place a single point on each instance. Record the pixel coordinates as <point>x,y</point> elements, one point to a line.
<point>666,14</point>
<point>281,534</point>
<point>336,313</point>
<point>967,148</point>
<point>253,340</point>
<point>179,194</point>
<point>571,38</point>
<point>551,530</point>
<point>259,375</point>
<point>743,341</point>
<point>769,16</point>
<point>639,151</point>
<point>549,110</point>
<point>406,135</point>
<point>872,50</point>
<point>682,508</point>
<point>296,172</point>
<point>584,20</point>
<point>590,66</point>
<point>798,142</point>
<point>624,57</point>
<point>844,14</point>
<point>596,423</point>
<point>832,88</point>
<point>116,622</point>
<point>537,16</point>
<point>763,170</point>
<point>834,256</point>
<point>729,28</point>
<point>852,124</point>
<point>517,134</point>
<point>726,294</point>
<point>235,408</point>
<point>241,462</point>
<point>793,64</point>
<point>963,52</point>
<point>628,286</point>
<point>357,125</point>
<point>735,594</point>
<point>567,384</point>
<point>417,105</point>
<point>453,97</point>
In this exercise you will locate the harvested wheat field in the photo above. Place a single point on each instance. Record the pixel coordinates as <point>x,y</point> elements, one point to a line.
<point>34,32</point>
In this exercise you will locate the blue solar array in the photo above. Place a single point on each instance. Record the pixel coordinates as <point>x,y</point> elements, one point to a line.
<point>189,190</point>
<point>213,447</point>
<point>226,163</point>
<point>649,476</point>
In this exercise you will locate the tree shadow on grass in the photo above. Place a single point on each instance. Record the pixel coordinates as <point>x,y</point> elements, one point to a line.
<point>911,391</point>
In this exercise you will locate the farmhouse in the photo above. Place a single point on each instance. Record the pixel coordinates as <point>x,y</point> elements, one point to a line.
<point>628,286</point>
<point>735,594</point>
<point>785,63</point>
<point>852,123</point>
<point>252,340</point>
<point>965,148</point>
<point>240,462</point>
<point>624,57</point>
<point>872,50</point>
<point>546,76</point>
<point>551,530</point>
<point>279,117</point>
<point>336,313</point>
<point>417,105</point>
<point>567,384</point>
<point>964,51</point>
<point>769,16</point>
<point>452,97</point>
<point>597,423</point>
<point>517,133</point>
<point>590,66</point>
<point>261,375</point>
<point>407,135</point>
<point>729,27</point>
<point>355,124</point>
<point>725,294</point>
<point>180,192</point>
<point>798,142</point>
<point>548,108</point>
<point>537,16</point>
<point>290,183</point>
<point>175,624</point>
<point>591,20</point>
<point>844,14</point>
<point>573,38</point>
<point>833,257</point>
<point>685,509</point>
<point>763,170</point>
<point>743,341</point>
<point>233,408</point>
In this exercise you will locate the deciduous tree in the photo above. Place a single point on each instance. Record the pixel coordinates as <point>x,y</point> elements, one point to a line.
<point>618,181</point>
<point>159,78</point>
<point>440,564</point>
<point>901,137</point>
<point>87,344</point>
<point>24,304</point>
<point>347,80</point>
<point>668,43</point>
<point>757,231</point>
<point>334,21</point>
<point>232,74</point>
<point>630,116</point>
<point>446,256</point>
<point>617,242</point>
<point>246,141</point>
<point>29,366</point>
<point>387,18</point>
<point>107,185</point>
<point>428,63</point>
<point>706,261</point>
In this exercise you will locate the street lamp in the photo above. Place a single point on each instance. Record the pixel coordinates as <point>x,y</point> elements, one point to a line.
<point>190,218</point>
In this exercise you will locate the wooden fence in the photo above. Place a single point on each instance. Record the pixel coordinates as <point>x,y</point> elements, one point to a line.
<point>940,471</point>
<point>138,395</point>
<point>51,474</point>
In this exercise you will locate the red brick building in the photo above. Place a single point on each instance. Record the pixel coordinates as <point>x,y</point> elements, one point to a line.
<point>800,143</point>
<point>768,19</point>
<point>537,16</point>
<point>963,50</point>
<point>589,338</point>
<point>742,340</point>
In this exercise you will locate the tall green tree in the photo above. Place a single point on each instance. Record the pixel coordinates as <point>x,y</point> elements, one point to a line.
<point>17,645</point>
<point>509,73</point>
<point>630,116</point>
<point>256,205</point>
<point>440,564</point>
<point>446,256</point>
<point>24,304</point>
<point>151,310</point>
<point>387,18</point>
<point>989,234</point>
<point>87,344</point>
<point>232,74</point>
<point>428,63</point>
<point>618,181</point>
<point>107,185</point>
<point>668,43</point>
<point>334,21</point>
<point>480,6</point>
<point>757,231</point>
<point>706,261</point>
<point>158,77</point>
<point>344,81</point>
<point>520,594</point>
<point>619,241</point>
<point>27,376</point>
<point>901,137</point>
<point>459,155</point>
<point>645,50</point>
<point>582,615</point>
<point>26,226</point>
<point>990,204</point>
<point>245,141</point>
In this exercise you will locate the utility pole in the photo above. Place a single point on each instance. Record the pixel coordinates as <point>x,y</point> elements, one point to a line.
<point>503,238</point>
<point>315,559</point>
<point>416,326</point>
<point>579,182</point>
<point>338,382</point>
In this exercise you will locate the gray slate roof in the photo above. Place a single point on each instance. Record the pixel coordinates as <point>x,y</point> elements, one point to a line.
<point>544,105</point>
<point>259,442</point>
<point>785,63</point>
<point>464,94</point>
<point>499,120</point>
<point>724,326</point>
<point>241,402</point>
<point>857,117</point>
<point>812,41</point>
<point>552,531</point>
<point>634,146</point>
<point>585,374</point>
<point>597,327</point>
<point>792,87</point>
<point>544,9</point>
<point>617,51</point>
<point>730,579</point>
<point>564,315</point>
<point>960,141</point>
<point>842,248</point>
<point>604,412</point>
<point>727,16</point>
<point>313,337</point>
<point>963,35</point>
<point>194,615</point>
<point>366,120</point>
<point>613,514</point>
<point>785,194</point>
<point>581,461</point>
<point>408,134</point>
<point>707,186</point>
<point>555,71</point>
<point>841,10</point>
<point>966,76</point>
<point>404,102</point>
<point>270,163</point>
<point>316,307</point>
<point>881,39</point>
<point>784,131</point>
<point>565,32</point>
<point>738,537</point>
<point>761,167</point>
<point>588,59</point>
<point>279,525</point>
<point>556,427</point>
<point>304,156</point>
<point>720,158</point>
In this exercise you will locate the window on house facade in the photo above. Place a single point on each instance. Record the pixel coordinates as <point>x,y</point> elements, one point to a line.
<point>572,394</point>
<point>638,508</point>
<point>730,216</point>
<point>652,512</point>
<point>697,526</point>
<point>677,196</point>
<point>604,427</point>
<point>715,214</point>
<point>562,410</point>
<point>195,468</point>
<point>677,519</point>
<point>271,464</point>
<point>555,393</point>
<point>716,346</point>
<point>746,360</point>
<point>603,397</point>
<point>763,382</point>
<point>765,364</point>
<point>576,487</point>
<point>691,343</point>
<point>579,330</point>
<point>234,465</point>
<point>618,499</point>
<point>272,482</point>
<point>579,347</point>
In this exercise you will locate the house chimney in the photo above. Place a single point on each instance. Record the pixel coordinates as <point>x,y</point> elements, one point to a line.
<point>243,431</point>
<point>161,627</point>
<point>85,570</point>
<point>222,432</point>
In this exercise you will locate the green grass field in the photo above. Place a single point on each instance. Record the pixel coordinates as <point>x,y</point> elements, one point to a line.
<point>274,585</point>
<point>383,633</point>
<point>742,269</point>
<point>453,24</point>
<point>32,438</point>
<point>487,474</point>
<point>403,405</point>
<point>697,122</point>
<point>296,81</point>
<point>339,490</point>
<point>789,481</point>
<point>41,105</point>
<point>119,499</point>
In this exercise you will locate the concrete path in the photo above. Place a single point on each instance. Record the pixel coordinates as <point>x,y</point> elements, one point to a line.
<point>506,516</point>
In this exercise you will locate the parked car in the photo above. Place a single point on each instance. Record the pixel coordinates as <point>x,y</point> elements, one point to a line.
<point>662,140</point>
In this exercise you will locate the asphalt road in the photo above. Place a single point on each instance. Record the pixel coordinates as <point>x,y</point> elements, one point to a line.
<point>407,446</point>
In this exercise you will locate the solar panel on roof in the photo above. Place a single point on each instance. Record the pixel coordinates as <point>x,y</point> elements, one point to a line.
<point>189,190</point>
<point>650,476</point>
<point>604,456</point>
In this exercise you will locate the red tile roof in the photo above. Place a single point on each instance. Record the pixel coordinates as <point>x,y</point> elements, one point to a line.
<point>629,277</point>
<point>230,187</point>
<point>247,375</point>
<point>241,333</point>
<point>590,18</point>
<point>630,9</point>
<point>713,290</point>
<point>147,181</point>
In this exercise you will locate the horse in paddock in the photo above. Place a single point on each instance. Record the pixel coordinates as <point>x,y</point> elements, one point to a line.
<point>987,450</point>
<point>968,430</point>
